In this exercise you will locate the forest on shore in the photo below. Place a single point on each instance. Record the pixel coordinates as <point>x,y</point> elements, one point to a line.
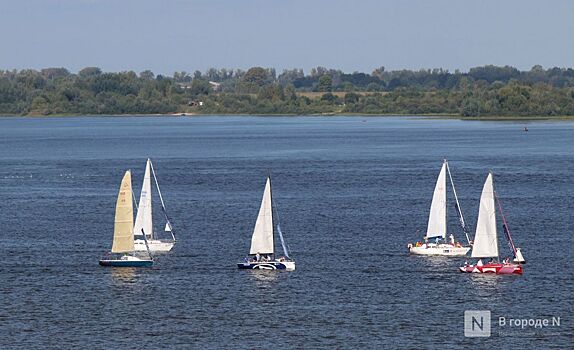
<point>481,92</point>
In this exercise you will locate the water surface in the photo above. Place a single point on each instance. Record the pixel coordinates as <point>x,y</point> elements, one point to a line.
<point>351,191</point>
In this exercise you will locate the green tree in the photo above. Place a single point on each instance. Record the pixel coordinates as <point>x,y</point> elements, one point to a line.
<point>325,83</point>
<point>200,87</point>
<point>256,76</point>
<point>90,72</point>
<point>351,98</point>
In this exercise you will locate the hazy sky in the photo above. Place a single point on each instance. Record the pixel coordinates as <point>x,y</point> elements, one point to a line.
<point>360,35</point>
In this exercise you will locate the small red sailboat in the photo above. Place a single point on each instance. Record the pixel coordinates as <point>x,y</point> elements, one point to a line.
<point>486,238</point>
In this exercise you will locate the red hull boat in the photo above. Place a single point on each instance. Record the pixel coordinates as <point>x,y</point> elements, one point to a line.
<point>486,238</point>
<point>496,268</point>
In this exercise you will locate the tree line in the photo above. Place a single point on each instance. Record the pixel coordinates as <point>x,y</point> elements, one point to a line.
<point>482,91</point>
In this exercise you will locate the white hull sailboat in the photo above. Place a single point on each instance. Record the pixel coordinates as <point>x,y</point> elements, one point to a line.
<point>486,238</point>
<point>123,253</point>
<point>262,251</point>
<point>143,227</point>
<point>437,227</point>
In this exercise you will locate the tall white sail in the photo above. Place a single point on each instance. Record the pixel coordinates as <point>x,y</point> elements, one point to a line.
<point>437,217</point>
<point>144,215</point>
<point>485,239</point>
<point>124,221</point>
<point>262,239</point>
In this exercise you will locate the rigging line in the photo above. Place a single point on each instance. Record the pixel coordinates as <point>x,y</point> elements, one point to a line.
<point>286,247</point>
<point>506,229</point>
<point>161,201</point>
<point>135,201</point>
<point>146,244</point>
<point>461,217</point>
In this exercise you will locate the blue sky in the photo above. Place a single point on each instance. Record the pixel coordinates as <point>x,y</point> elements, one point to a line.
<point>175,35</point>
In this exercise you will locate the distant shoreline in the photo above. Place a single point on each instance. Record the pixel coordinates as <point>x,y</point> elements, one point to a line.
<point>358,115</point>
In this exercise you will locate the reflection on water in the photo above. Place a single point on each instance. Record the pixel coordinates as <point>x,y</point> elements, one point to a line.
<point>486,284</point>
<point>123,276</point>
<point>437,261</point>
<point>264,278</point>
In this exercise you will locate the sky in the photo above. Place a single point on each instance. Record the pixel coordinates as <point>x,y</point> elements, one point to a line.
<point>353,35</point>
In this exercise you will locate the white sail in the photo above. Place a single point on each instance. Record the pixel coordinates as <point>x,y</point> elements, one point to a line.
<point>519,258</point>
<point>485,239</point>
<point>144,215</point>
<point>437,217</point>
<point>262,239</point>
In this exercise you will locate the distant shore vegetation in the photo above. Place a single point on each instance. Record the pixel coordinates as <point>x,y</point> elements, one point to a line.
<point>482,91</point>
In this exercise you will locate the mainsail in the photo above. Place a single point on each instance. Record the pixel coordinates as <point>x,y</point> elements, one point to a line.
<point>485,239</point>
<point>124,222</point>
<point>437,217</point>
<point>262,239</point>
<point>144,215</point>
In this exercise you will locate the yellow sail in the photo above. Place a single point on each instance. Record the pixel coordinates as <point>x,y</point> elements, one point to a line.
<point>124,223</point>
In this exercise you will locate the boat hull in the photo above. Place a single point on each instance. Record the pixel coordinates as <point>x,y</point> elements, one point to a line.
<point>439,249</point>
<point>155,245</point>
<point>126,263</point>
<point>495,268</point>
<point>267,265</point>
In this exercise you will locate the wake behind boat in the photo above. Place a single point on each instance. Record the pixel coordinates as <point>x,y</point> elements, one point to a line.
<point>262,252</point>
<point>486,238</point>
<point>145,237</point>
<point>437,227</point>
<point>123,253</point>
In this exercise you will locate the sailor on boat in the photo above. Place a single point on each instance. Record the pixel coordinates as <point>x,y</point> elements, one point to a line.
<point>262,251</point>
<point>437,223</point>
<point>123,253</point>
<point>486,238</point>
<point>144,219</point>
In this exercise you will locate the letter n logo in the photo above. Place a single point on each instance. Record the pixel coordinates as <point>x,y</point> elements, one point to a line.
<point>477,323</point>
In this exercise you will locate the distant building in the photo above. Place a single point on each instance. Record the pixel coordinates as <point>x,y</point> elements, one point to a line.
<point>214,85</point>
<point>184,85</point>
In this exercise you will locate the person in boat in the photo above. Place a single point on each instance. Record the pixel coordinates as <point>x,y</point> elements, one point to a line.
<point>452,239</point>
<point>257,256</point>
<point>466,263</point>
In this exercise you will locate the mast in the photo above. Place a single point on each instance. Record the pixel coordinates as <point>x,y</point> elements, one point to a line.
<point>164,211</point>
<point>457,204</point>
<point>147,245</point>
<point>276,211</point>
<point>505,225</point>
<point>144,221</point>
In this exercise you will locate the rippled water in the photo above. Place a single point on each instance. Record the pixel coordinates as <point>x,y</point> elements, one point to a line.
<point>351,192</point>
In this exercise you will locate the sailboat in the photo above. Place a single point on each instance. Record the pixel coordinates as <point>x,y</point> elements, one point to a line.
<point>143,228</point>
<point>262,251</point>
<point>486,237</point>
<point>437,228</point>
<point>123,251</point>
